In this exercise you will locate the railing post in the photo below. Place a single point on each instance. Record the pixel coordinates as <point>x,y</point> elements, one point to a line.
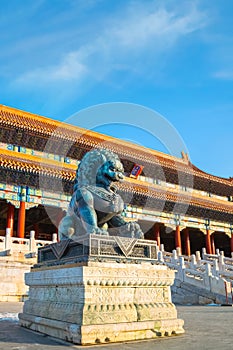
<point>198,257</point>
<point>221,262</point>
<point>208,269</point>
<point>174,257</point>
<point>54,237</point>
<point>193,262</point>
<point>181,262</point>
<point>160,256</point>
<point>208,275</point>
<point>215,269</point>
<point>203,253</point>
<point>162,247</point>
<point>181,269</point>
<point>32,242</point>
<point>8,239</point>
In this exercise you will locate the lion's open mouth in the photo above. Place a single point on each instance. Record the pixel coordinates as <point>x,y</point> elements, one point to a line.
<point>110,178</point>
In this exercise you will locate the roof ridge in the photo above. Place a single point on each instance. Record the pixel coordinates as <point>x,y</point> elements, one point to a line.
<point>76,129</point>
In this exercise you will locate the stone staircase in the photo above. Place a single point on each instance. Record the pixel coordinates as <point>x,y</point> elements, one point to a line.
<point>200,280</point>
<point>17,255</point>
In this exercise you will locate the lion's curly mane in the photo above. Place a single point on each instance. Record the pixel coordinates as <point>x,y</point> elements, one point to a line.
<point>91,162</point>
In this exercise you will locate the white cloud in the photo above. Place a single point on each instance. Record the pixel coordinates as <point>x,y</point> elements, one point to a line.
<point>133,32</point>
<point>69,69</point>
<point>224,74</point>
<point>159,25</point>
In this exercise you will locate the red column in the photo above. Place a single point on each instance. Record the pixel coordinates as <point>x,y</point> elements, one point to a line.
<point>10,217</point>
<point>208,242</point>
<point>21,220</point>
<point>232,243</point>
<point>178,238</point>
<point>212,244</point>
<point>157,234</point>
<point>187,242</point>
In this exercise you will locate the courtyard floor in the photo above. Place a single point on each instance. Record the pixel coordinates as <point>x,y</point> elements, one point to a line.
<point>206,328</point>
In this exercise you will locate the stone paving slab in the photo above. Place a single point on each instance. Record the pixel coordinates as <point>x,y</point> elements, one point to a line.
<point>207,328</point>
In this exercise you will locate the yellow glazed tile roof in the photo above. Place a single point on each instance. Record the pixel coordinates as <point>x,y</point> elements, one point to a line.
<point>14,118</point>
<point>37,165</point>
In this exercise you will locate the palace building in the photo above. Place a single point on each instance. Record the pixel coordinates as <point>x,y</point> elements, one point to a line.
<point>176,204</point>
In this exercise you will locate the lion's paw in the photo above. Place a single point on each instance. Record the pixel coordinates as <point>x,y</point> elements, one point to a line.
<point>131,229</point>
<point>66,228</point>
<point>99,231</point>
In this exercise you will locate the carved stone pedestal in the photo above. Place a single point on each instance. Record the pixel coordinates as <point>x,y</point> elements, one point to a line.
<point>92,302</point>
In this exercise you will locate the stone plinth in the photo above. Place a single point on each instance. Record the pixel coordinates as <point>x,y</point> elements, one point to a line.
<point>13,287</point>
<point>91,302</point>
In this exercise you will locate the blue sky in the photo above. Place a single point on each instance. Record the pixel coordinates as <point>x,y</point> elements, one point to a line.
<point>175,57</point>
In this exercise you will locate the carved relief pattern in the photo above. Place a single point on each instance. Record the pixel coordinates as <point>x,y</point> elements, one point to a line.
<point>102,298</point>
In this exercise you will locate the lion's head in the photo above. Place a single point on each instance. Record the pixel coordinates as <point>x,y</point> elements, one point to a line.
<point>99,167</point>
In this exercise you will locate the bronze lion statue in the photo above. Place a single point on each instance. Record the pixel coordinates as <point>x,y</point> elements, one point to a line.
<point>95,207</point>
